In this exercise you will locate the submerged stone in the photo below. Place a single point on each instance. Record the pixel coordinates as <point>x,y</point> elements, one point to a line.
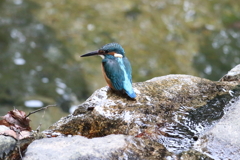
<point>223,139</point>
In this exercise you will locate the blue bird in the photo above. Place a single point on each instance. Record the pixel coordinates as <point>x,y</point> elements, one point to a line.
<point>116,68</point>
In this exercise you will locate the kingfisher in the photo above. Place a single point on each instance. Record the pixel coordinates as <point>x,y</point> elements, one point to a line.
<point>116,68</point>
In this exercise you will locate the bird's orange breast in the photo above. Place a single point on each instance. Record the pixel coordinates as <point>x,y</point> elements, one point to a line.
<point>107,79</point>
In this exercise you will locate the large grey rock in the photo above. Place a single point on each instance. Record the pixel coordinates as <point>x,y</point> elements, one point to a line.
<point>173,117</point>
<point>232,75</point>
<point>66,148</point>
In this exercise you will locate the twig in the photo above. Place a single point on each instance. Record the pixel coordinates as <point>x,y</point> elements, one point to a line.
<point>43,108</point>
<point>19,149</point>
<point>40,123</point>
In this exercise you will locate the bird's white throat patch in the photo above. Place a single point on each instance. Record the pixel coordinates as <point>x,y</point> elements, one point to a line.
<point>118,55</point>
<point>102,56</point>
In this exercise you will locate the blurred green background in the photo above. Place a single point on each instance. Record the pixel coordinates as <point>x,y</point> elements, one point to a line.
<point>40,44</point>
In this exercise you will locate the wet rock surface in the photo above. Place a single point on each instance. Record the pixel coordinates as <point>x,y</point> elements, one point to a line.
<point>160,102</point>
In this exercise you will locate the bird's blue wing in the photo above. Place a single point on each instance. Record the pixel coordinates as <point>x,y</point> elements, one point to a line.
<point>129,90</point>
<point>113,71</point>
<point>128,68</point>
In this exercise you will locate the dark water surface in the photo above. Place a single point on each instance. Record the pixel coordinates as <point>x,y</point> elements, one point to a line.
<point>40,44</point>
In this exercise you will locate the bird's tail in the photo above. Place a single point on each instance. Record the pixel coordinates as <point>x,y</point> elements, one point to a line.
<point>131,93</point>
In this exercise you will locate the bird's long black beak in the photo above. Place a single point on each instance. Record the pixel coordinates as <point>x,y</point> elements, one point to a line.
<point>93,53</point>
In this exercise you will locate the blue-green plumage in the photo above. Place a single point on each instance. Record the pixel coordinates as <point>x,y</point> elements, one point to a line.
<point>116,68</point>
